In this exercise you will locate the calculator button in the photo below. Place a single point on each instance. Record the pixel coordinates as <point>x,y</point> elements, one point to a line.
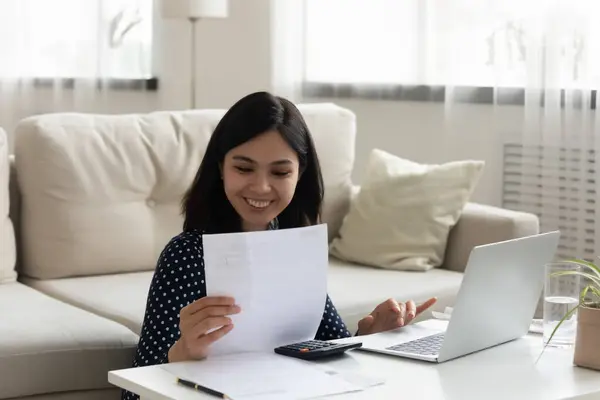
<point>304,350</point>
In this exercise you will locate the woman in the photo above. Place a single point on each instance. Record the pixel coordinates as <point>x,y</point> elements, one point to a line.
<point>260,171</point>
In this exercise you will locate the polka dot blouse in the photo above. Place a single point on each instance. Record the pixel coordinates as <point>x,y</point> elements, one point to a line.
<point>177,282</point>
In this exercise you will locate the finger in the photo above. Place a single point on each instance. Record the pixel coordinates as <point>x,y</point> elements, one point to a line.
<point>187,321</point>
<point>216,311</point>
<point>401,317</point>
<point>365,324</point>
<point>411,311</point>
<point>391,305</point>
<point>426,305</point>
<point>204,302</point>
<point>395,313</point>
<point>208,324</point>
<point>212,337</point>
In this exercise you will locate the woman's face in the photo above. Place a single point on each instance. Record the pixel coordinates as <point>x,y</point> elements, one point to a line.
<point>260,178</point>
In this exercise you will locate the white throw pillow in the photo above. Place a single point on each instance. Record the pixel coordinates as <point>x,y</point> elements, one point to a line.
<point>403,213</point>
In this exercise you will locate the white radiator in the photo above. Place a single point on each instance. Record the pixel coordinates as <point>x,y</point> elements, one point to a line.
<point>558,184</point>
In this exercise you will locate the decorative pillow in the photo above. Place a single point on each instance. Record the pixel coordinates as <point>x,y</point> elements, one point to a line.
<point>403,213</point>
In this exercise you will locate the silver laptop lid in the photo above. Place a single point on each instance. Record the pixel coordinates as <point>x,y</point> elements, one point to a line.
<point>500,291</point>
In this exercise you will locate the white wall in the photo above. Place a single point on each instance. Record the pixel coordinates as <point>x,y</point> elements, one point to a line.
<point>425,132</point>
<point>234,58</point>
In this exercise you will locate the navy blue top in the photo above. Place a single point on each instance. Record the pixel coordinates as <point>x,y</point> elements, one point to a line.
<point>179,281</point>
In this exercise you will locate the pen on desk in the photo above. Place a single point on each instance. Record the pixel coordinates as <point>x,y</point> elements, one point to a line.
<point>201,388</point>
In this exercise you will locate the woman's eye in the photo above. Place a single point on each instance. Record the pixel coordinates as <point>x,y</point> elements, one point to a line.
<point>243,169</point>
<point>281,173</point>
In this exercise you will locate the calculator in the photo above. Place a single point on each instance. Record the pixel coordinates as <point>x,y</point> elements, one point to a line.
<point>315,349</point>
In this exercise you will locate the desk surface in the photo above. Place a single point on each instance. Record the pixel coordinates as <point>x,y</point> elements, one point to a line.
<point>504,372</point>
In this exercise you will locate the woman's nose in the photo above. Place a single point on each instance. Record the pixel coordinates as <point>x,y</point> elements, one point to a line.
<point>261,184</point>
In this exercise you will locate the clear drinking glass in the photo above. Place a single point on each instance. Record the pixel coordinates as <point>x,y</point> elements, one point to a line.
<point>561,295</point>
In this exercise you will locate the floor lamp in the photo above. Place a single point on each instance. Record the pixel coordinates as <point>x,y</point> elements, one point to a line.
<point>194,10</point>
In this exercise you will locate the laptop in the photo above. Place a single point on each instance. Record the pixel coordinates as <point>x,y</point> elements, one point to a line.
<point>495,304</point>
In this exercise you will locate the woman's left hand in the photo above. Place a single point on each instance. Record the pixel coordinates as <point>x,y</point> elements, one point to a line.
<point>391,315</point>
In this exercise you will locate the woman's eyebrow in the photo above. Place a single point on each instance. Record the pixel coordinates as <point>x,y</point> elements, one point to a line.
<point>244,158</point>
<point>284,161</point>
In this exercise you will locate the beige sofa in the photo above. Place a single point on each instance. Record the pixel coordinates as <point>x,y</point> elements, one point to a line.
<point>93,200</point>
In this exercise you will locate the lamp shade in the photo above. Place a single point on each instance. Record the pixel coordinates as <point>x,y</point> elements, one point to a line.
<point>194,8</point>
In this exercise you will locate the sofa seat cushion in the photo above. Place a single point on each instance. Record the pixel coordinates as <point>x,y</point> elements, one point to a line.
<point>48,346</point>
<point>119,297</point>
<point>356,290</point>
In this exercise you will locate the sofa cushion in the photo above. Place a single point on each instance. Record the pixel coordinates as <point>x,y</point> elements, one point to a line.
<point>101,194</point>
<point>356,289</point>
<point>119,297</point>
<point>402,216</point>
<point>49,346</point>
<point>7,237</point>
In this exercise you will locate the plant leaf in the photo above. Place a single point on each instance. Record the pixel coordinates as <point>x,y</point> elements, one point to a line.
<point>585,263</point>
<point>567,315</point>
<point>584,293</point>
<point>596,292</point>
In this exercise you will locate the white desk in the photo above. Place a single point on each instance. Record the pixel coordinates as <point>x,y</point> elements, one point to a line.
<point>503,372</point>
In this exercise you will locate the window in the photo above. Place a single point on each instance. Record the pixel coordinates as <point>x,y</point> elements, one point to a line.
<point>476,43</point>
<point>76,39</point>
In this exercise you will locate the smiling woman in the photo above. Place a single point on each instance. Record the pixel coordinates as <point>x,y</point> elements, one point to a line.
<point>260,171</point>
<point>260,165</point>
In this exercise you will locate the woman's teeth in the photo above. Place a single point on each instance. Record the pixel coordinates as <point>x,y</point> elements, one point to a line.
<point>258,203</point>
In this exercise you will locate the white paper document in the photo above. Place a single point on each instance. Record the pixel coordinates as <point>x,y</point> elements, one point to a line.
<point>266,376</point>
<point>279,280</point>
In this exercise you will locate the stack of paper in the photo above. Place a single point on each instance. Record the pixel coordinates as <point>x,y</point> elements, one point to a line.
<point>267,376</point>
<point>443,316</point>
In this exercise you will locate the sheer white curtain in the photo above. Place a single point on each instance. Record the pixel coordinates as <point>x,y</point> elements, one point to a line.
<point>287,43</point>
<point>540,56</point>
<point>543,56</point>
<point>59,55</point>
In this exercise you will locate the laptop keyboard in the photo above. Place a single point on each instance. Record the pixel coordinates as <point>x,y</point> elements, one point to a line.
<point>427,346</point>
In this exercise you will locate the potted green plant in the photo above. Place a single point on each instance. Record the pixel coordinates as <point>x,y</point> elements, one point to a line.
<point>587,341</point>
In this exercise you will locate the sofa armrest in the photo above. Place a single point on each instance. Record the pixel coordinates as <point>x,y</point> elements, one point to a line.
<point>482,224</point>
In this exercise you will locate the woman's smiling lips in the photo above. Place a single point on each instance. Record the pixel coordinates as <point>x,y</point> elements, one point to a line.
<point>259,204</point>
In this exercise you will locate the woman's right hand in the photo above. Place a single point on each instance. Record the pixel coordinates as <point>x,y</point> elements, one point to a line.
<point>198,318</point>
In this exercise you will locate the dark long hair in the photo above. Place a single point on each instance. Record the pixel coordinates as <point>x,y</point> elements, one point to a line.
<point>205,205</point>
